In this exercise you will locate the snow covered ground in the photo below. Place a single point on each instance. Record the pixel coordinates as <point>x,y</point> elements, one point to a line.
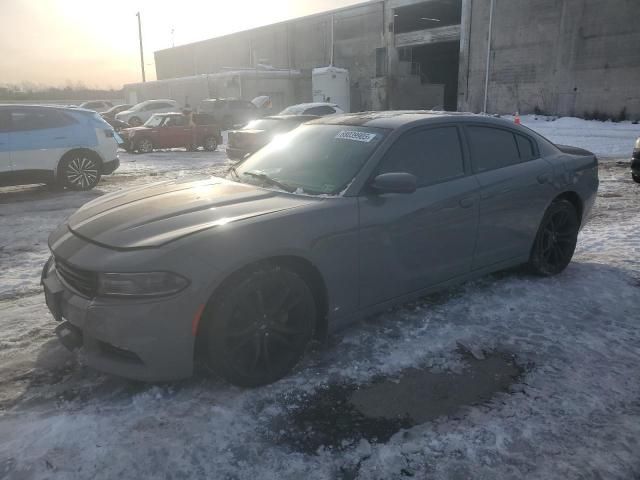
<point>573,412</point>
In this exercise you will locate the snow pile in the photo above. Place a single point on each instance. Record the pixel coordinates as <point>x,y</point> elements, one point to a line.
<point>605,139</point>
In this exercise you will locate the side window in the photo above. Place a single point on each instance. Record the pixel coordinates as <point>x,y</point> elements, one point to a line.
<point>432,155</point>
<point>23,120</point>
<point>149,107</point>
<point>321,110</point>
<point>175,121</point>
<point>525,147</point>
<point>492,148</point>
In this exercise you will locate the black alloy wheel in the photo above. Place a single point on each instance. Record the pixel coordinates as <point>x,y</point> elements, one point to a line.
<point>144,145</point>
<point>210,144</point>
<point>556,239</point>
<point>260,327</point>
<point>80,171</point>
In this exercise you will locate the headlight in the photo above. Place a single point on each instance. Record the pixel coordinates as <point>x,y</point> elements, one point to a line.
<point>152,284</point>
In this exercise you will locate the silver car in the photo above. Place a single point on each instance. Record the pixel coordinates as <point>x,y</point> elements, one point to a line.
<point>340,218</point>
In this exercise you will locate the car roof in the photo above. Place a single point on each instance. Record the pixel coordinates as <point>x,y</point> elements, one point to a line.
<point>67,108</point>
<point>394,119</point>
<point>302,118</point>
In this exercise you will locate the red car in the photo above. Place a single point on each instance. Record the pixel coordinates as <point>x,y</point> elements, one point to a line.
<point>171,130</point>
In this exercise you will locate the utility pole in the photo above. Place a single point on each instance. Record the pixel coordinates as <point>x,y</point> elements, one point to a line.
<point>144,79</point>
<point>488,64</point>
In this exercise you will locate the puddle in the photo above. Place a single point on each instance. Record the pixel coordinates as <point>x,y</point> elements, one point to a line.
<point>340,415</point>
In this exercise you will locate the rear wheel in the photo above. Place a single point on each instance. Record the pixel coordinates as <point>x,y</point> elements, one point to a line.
<point>556,239</point>
<point>259,327</point>
<point>135,122</point>
<point>144,145</point>
<point>210,143</point>
<point>79,171</point>
<point>636,177</point>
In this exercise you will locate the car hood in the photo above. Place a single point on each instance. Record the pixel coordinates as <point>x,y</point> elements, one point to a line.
<point>160,213</point>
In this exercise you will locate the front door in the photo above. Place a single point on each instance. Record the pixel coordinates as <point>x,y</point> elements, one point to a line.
<point>412,241</point>
<point>516,186</point>
<point>176,133</point>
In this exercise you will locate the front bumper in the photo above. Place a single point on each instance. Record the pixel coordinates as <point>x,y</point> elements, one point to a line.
<point>109,167</point>
<point>149,340</point>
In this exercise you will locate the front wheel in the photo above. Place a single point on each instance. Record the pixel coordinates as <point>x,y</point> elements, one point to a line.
<point>210,144</point>
<point>556,239</point>
<point>144,145</point>
<point>259,327</point>
<point>79,171</point>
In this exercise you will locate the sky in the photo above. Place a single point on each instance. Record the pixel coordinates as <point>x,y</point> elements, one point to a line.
<point>66,42</point>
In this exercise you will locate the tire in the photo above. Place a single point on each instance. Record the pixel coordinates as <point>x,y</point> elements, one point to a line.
<point>144,145</point>
<point>259,327</point>
<point>556,239</point>
<point>210,143</point>
<point>135,122</point>
<point>636,178</point>
<point>79,171</point>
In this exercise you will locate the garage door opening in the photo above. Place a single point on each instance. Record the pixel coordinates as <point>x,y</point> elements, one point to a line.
<point>438,63</point>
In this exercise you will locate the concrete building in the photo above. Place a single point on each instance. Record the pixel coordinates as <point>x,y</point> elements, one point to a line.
<point>565,57</point>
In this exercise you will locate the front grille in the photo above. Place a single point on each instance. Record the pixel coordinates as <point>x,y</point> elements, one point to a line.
<point>82,281</point>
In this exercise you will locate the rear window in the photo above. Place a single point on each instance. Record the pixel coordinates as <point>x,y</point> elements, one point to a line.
<point>492,148</point>
<point>525,147</point>
<point>33,119</point>
<point>322,110</point>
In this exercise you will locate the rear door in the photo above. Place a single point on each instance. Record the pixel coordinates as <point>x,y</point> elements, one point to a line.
<point>176,132</point>
<point>516,186</point>
<point>39,137</point>
<point>412,241</point>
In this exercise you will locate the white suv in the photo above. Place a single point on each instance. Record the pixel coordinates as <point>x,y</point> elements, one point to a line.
<point>140,113</point>
<point>71,147</point>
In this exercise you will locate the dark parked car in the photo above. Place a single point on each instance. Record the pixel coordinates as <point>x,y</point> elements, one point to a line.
<point>117,125</point>
<point>113,111</point>
<point>170,130</point>
<point>229,112</point>
<point>635,162</point>
<point>339,218</point>
<point>257,133</point>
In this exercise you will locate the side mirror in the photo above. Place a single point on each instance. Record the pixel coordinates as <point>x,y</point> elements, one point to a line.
<point>397,182</point>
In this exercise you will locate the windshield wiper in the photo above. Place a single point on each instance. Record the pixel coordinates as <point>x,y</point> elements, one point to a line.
<point>272,181</point>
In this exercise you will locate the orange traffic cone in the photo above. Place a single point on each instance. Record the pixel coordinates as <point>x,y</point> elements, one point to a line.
<point>517,118</point>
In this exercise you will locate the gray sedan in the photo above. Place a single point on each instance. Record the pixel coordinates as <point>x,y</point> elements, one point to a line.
<point>340,218</point>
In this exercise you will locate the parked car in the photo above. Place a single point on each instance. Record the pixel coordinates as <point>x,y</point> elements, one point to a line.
<point>339,218</point>
<point>70,147</point>
<point>117,125</point>
<point>635,162</point>
<point>111,113</point>
<point>257,133</point>
<point>318,108</point>
<point>170,130</point>
<point>143,111</point>
<point>228,112</point>
<point>97,105</point>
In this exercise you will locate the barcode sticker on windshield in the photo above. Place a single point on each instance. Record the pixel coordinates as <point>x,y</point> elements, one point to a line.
<point>357,136</point>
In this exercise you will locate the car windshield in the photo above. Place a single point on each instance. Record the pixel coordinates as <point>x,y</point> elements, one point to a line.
<point>262,124</point>
<point>312,159</point>
<point>155,121</point>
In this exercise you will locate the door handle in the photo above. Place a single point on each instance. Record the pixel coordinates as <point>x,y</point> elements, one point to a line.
<point>544,178</point>
<point>466,202</point>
